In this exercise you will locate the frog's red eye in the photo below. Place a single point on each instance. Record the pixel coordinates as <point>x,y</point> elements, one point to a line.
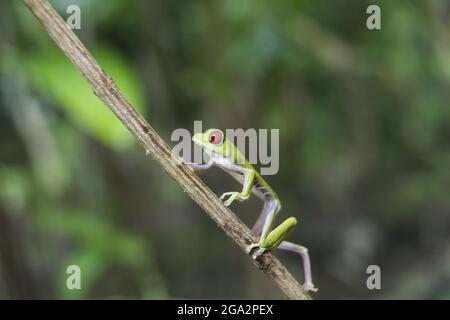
<point>215,137</point>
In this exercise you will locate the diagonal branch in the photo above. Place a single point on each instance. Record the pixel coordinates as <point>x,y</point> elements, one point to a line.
<point>105,88</point>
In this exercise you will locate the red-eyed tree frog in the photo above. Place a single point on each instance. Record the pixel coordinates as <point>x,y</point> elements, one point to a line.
<point>227,156</point>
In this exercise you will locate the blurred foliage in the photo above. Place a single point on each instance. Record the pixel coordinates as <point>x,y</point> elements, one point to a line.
<point>51,73</point>
<point>364,146</point>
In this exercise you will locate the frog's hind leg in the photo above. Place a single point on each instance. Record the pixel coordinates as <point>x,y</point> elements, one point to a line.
<point>268,208</point>
<point>289,246</point>
<point>263,225</point>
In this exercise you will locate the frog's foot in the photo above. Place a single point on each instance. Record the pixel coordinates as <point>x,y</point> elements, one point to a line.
<point>258,252</point>
<point>231,196</point>
<point>309,287</point>
<point>250,247</point>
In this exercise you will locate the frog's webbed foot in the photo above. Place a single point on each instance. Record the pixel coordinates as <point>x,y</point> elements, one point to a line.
<point>309,287</point>
<point>258,252</point>
<point>233,195</point>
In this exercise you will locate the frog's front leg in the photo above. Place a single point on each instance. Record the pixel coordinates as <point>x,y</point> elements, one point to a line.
<point>198,167</point>
<point>249,177</point>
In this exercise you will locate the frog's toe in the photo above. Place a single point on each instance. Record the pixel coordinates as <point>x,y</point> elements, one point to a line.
<point>251,247</point>
<point>258,252</point>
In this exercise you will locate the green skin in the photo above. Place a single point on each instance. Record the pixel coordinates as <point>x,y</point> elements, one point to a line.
<point>226,155</point>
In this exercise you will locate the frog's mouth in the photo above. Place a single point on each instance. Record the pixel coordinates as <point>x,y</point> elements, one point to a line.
<point>198,139</point>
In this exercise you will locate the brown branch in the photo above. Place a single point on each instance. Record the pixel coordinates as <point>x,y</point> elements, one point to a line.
<point>105,88</point>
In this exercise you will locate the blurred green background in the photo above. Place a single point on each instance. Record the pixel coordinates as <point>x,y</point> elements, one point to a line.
<point>364,147</point>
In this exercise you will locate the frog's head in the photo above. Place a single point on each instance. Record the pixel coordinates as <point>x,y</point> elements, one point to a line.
<point>212,140</point>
